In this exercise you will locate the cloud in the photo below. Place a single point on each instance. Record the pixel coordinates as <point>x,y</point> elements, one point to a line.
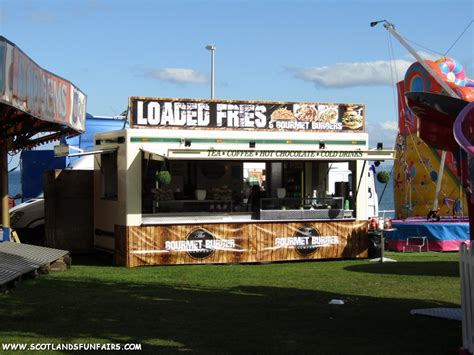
<point>389,125</point>
<point>177,75</point>
<point>42,17</point>
<point>375,73</point>
<point>343,75</point>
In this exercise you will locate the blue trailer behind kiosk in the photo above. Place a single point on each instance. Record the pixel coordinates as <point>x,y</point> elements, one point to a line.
<point>35,162</point>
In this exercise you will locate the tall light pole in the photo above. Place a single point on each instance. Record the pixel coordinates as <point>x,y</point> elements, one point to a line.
<point>212,48</point>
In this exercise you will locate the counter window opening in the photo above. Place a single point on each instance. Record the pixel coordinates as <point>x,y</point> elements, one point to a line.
<point>198,187</point>
<point>109,175</point>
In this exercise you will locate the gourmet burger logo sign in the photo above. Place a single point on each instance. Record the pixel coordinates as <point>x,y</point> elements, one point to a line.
<point>306,240</point>
<point>199,244</point>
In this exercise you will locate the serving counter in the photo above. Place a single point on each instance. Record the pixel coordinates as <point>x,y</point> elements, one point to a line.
<point>303,209</point>
<point>239,239</point>
<point>178,206</point>
<point>270,209</point>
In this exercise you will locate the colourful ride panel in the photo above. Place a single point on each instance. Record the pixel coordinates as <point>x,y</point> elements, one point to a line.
<point>418,164</point>
<point>415,175</point>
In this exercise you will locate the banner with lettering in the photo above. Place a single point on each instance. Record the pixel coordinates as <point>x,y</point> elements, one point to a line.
<point>235,154</point>
<point>230,243</point>
<point>245,115</point>
<point>26,86</point>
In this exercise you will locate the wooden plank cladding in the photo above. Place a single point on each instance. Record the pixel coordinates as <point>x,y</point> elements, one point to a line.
<point>231,243</point>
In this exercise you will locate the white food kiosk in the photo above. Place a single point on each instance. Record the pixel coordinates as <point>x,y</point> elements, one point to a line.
<point>216,181</point>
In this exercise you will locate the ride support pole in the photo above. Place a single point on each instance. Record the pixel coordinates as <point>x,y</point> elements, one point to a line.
<point>4,193</point>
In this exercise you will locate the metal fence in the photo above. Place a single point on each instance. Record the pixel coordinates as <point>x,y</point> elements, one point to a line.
<point>466,265</point>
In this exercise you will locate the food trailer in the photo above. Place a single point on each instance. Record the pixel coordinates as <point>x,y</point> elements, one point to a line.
<point>220,181</point>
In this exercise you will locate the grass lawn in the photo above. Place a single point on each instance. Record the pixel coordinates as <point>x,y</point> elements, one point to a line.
<point>219,309</point>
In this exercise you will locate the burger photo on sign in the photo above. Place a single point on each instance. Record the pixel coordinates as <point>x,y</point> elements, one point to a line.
<point>352,118</point>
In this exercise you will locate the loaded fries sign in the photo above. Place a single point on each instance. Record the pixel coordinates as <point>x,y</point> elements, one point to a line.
<point>251,115</point>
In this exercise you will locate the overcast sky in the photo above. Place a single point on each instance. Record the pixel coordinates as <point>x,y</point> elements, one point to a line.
<point>318,51</point>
